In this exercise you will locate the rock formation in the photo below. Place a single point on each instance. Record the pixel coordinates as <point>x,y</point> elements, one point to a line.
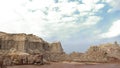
<point>27,43</point>
<point>13,45</point>
<point>75,56</point>
<point>102,53</point>
<point>112,50</point>
<point>56,47</point>
<point>94,54</point>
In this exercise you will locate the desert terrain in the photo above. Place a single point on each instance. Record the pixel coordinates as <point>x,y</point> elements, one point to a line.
<point>30,51</point>
<point>68,65</point>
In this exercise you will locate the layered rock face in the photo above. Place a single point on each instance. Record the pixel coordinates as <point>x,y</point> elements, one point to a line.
<point>56,47</point>
<point>112,50</point>
<point>30,44</point>
<point>94,54</point>
<point>55,53</point>
<point>27,43</point>
<point>103,53</point>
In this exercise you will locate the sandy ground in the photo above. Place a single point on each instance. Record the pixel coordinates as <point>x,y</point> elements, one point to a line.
<point>68,65</point>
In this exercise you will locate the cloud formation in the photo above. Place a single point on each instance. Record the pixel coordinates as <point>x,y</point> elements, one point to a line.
<point>114,5</point>
<point>48,18</point>
<point>79,21</point>
<point>113,31</point>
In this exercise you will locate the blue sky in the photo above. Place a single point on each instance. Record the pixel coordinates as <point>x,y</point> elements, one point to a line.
<point>78,24</point>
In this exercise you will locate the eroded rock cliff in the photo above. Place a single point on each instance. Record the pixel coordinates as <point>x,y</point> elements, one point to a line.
<point>27,43</point>
<point>109,52</point>
<point>56,47</point>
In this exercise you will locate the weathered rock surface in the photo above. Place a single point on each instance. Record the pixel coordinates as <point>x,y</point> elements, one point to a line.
<point>94,54</point>
<point>112,50</point>
<point>27,43</point>
<point>103,53</point>
<point>56,47</point>
<point>75,56</point>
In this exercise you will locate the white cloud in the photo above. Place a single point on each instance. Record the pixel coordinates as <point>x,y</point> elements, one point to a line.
<point>84,7</point>
<point>39,4</point>
<point>40,18</point>
<point>65,7</point>
<point>115,4</point>
<point>90,1</point>
<point>97,7</point>
<point>89,7</point>
<point>92,20</point>
<point>113,31</point>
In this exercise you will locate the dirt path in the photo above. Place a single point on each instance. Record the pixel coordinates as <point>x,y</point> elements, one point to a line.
<point>66,65</point>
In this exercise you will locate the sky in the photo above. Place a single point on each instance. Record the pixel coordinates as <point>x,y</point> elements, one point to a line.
<point>77,24</point>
